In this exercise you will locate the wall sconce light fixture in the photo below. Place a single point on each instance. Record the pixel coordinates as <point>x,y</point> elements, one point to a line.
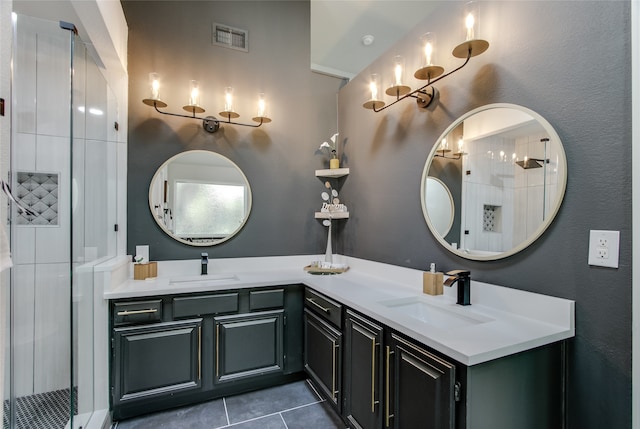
<point>430,72</point>
<point>209,123</point>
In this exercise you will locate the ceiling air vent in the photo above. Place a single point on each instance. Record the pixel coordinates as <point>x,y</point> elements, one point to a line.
<point>230,37</point>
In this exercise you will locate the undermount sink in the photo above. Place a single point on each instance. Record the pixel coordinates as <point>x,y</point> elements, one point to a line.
<point>208,278</point>
<point>434,315</point>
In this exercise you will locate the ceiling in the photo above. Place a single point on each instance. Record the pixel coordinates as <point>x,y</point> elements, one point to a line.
<point>338,26</point>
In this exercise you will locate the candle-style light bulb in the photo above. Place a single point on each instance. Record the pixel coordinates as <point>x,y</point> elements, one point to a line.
<point>398,89</point>
<point>460,145</point>
<point>469,23</point>
<point>374,90</point>
<point>193,105</point>
<point>194,93</point>
<point>470,19</point>
<point>373,102</point>
<point>154,81</point>
<point>261,114</point>
<point>398,67</point>
<point>373,87</point>
<point>228,99</point>
<point>154,92</point>
<point>472,45</point>
<point>228,104</point>
<point>428,70</point>
<point>444,145</point>
<point>262,107</point>
<point>428,53</point>
<point>428,43</point>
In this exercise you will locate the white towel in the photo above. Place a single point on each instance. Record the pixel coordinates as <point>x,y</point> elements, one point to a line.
<point>5,252</point>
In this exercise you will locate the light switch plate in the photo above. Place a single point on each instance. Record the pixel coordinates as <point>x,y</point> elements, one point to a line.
<point>604,248</point>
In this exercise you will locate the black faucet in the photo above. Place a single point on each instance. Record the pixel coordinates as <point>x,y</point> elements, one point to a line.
<point>203,263</point>
<point>464,285</point>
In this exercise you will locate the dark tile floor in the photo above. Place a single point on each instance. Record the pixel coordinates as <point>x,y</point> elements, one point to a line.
<point>291,406</point>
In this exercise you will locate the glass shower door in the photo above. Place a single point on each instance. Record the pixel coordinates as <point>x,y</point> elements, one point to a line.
<point>63,169</point>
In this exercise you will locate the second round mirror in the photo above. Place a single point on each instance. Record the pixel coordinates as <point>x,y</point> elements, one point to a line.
<point>506,170</point>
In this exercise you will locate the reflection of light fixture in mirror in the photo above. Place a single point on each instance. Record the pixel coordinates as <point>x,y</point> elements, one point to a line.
<point>209,123</point>
<point>528,163</point>
<point>432,73</point>
<point>443,151</point>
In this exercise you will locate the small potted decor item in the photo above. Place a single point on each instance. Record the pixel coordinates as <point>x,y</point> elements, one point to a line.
<point>334,162</point>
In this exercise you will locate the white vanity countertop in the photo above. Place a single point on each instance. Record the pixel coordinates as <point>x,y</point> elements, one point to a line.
<point>501,321</point>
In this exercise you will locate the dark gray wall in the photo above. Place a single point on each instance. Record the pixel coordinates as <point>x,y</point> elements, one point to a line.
<point>173,38</point>
<point>570,62</point>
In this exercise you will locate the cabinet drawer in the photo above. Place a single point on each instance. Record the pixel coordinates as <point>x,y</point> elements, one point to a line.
<point>265,299</point>
<point>126,313</point>
<point>208,304</point>
<point>323,306</point>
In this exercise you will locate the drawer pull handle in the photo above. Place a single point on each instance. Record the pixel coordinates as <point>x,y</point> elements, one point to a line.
<point>388,415</point>
<point>132,312</point>
<point>334,392</point>
<point>325,309</point>
<point>217,350</point>
<point>199,352</point>
<point>373,376</point>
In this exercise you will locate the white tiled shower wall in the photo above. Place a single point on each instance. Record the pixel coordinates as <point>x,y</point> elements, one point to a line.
<point>42,254</point>
<point>523,196</point>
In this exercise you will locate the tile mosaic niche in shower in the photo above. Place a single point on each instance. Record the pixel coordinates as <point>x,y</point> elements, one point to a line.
<point>38,192</point>
<point>491,219</point>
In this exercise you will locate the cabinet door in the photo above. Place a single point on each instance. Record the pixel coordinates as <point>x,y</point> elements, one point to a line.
<point>248,345</point>
<point>422,391</point>
<point>362,372</point>
<point>156,360</point>
<point>322,349</point>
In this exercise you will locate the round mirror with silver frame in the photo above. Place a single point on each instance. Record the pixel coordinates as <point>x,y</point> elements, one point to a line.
<point>200,198</point>
<point>506,168</point>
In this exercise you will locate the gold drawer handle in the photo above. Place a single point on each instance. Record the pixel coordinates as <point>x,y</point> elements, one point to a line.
<point>132,312</point>
<point>326,310</point>
<point>373,375</point>
<point>388,415</point>
<point>334,392</point>
<point>199,352</point>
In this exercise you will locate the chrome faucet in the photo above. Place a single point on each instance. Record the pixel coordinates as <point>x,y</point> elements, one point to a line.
<point>203,263</point>
<point>463,278</point>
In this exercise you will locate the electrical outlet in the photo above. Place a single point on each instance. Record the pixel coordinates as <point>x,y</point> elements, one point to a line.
<point>604,248</point>
<point>602,253</point>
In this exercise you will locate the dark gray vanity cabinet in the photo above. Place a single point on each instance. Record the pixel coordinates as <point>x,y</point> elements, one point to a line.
<point>156,360</point>
<point>323,344</point>
<point>263,331</point>
<point>174,350</point>
<point>363,372</point>
<point>420,387</point>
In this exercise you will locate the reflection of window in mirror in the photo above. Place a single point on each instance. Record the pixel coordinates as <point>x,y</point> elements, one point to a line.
<point>196,217</point>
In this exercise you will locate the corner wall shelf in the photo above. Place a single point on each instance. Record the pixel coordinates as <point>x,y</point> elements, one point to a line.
<point>332,172</point>
<point>334,215</point>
